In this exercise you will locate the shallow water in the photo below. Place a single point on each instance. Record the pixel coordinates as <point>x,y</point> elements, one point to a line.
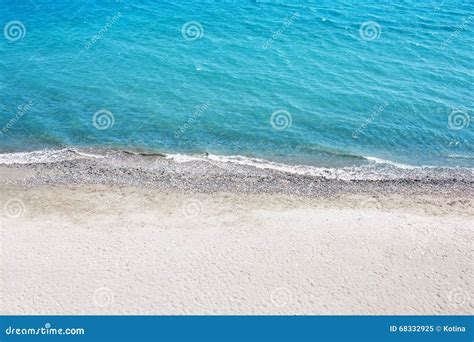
<point>348,83</point>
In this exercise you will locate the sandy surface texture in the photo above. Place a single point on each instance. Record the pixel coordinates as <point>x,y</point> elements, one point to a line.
<point>109,249</point>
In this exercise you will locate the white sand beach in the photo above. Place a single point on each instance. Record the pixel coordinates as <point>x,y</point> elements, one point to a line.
<point>103,249</point>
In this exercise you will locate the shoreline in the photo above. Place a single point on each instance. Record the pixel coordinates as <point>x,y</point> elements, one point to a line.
<point>211,173</point>
<point>366,167</point>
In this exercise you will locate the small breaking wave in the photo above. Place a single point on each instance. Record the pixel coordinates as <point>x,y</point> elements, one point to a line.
<point>389,162</point>
<point>44,156</point>
<point>370,171</point>
<point>374,169</point>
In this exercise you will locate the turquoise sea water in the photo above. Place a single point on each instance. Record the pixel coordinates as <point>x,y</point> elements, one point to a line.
<point>310,82</point>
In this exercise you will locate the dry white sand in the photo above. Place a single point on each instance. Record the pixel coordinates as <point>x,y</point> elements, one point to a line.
<point>111,250</point>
